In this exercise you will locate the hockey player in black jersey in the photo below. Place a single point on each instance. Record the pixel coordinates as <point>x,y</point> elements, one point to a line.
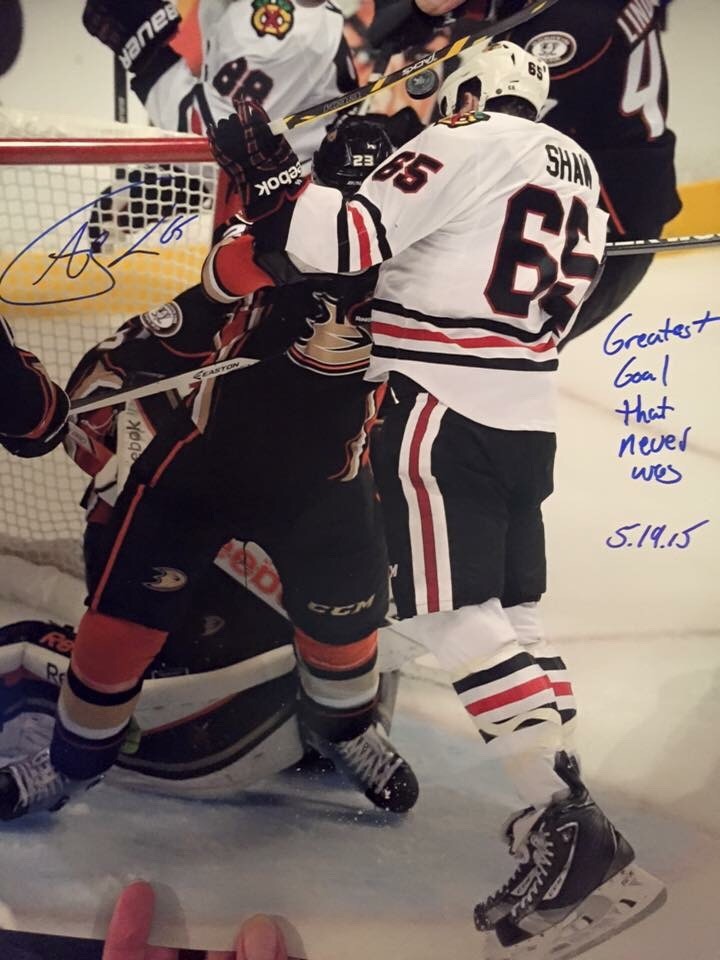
<point>609,92</point>
<point>277,455</point>
<point>33,409</point>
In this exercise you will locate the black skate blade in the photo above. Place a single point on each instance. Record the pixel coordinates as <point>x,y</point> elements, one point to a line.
<point>622,901</point>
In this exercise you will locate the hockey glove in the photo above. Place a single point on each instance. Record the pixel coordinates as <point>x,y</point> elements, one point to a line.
<point>138,32</point>
<point>261,166</point>
<point>33,408</point>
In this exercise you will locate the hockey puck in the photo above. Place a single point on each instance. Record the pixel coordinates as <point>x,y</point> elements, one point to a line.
<point>422,85</point>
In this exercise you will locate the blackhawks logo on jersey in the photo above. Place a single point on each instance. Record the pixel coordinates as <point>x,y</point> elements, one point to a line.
<point>464,119</point>
<point>273,17</point>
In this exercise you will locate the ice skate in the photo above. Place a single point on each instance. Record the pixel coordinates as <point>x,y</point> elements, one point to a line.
<point>33,784</point>
<point>373,764</point>
<point>575,886</point>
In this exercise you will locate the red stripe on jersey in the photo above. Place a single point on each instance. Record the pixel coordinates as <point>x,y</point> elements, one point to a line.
<point>612,211</point>
<point>468,343</point>
<point>427,532</point>
<point>563,689</point>
<point>171,456</point>
<point>116,548</point>
<point>520,692</point>
<point>583,66</point>
<point>363,238</point>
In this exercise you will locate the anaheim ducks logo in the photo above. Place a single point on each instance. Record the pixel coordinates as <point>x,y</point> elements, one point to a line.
<point>166,579</point>
<point>273,17</point>
<point>164,321</point>
<point>463,119</point>
<point>333,348</point>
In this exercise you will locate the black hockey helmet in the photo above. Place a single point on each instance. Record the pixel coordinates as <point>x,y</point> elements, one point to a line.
<point>352,148</point>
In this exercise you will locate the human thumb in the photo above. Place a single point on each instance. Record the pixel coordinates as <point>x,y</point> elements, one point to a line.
<point>261,939</point>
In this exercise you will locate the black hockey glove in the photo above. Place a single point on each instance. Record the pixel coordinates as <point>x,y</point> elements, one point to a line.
<point>262,167</point>
<point>137,31</point>
<point>29,448</point>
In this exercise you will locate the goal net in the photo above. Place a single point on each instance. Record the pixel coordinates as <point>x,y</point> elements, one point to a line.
<point>96,225</point>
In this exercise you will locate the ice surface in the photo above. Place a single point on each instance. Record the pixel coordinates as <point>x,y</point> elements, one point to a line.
<point>639,628</point>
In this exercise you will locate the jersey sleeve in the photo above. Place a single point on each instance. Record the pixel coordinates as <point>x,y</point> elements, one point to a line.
<point>168,100</point>
<point>413,194</point>
<point>33,409</point>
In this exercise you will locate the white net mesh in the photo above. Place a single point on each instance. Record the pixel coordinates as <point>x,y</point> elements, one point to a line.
<point>85,244</point>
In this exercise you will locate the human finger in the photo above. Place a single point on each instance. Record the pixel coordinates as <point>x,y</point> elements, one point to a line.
<point>130,924</point>
<point>260,938</point>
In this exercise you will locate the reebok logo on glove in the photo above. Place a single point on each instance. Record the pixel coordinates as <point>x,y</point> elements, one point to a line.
<point>284,179</point>
<point>146,33</point>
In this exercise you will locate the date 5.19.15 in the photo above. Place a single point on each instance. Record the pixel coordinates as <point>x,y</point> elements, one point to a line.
<point>651,535</point>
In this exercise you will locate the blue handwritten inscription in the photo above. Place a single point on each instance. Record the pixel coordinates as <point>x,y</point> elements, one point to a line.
<point>79,253</point>
<point>638,373</point>
<point>657,537</point>
<point>669,333</point>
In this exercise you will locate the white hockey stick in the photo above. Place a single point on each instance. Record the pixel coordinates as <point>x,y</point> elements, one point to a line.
<point>109,398</point>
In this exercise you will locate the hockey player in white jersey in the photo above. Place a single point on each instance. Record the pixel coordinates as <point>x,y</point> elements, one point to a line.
<point>489,235</point>
<point>282,54</point>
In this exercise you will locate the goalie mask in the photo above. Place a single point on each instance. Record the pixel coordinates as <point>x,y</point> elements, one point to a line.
<point>502,76</point>
<point>351,150</point>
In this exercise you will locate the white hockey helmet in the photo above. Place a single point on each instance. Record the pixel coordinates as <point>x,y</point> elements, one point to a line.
<point>498,70</point>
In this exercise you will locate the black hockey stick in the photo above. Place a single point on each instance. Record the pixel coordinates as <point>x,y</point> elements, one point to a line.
<point>111,397</point>
<point>412,69</point>
<point>120,91</point>
<point>626,247</point>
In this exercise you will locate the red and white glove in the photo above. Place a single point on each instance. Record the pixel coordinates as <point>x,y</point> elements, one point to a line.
<point>262,166</point>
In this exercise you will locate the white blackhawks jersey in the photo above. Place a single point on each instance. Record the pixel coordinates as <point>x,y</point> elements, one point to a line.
<point>284,55</point>
<point>489,234</point>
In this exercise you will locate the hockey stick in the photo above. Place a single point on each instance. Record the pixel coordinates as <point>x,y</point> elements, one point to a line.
<point>108,398</point>
<point>626,247</point>
<point>120,91</point>
<point>111,397</point>
<point>411,70</point>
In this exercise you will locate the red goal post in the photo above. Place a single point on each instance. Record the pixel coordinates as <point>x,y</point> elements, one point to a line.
<point>93,230</point>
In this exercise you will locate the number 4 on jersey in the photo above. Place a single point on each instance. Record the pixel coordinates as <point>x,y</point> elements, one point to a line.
<point>643,85</point>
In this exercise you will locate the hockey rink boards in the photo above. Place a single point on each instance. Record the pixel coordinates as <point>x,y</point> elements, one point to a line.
<point>349,882</point>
